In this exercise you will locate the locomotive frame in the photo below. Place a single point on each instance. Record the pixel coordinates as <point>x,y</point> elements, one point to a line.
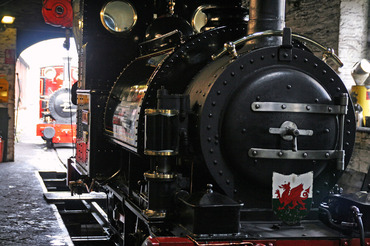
<point>170,128</point>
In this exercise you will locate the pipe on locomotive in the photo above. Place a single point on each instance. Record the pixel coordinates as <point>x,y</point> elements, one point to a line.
<point>266,15</point>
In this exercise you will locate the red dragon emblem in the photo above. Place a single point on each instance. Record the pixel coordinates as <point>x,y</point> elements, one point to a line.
<point>292,196</point>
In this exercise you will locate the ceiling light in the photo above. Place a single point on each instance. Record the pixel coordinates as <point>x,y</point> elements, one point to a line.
<point>7,19</point>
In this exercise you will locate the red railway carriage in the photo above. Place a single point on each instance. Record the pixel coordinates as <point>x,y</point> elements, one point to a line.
<point>57,113</point>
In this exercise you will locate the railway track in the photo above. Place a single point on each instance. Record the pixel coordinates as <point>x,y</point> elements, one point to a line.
<point>82,215</point>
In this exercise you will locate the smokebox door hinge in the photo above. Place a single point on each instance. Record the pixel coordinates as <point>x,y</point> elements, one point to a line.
<point>285,51</point>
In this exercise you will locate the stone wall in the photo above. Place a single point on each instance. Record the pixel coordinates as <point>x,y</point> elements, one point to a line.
<point>318,20</point>
<point>368,32</point>
<point>353,177</point>
<point>7,68</point>
<point>352,36</point>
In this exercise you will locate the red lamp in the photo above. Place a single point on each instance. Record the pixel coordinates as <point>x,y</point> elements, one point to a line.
<point>58,13</point>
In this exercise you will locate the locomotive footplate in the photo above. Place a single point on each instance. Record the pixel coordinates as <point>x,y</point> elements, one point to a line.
<point>275,231</point>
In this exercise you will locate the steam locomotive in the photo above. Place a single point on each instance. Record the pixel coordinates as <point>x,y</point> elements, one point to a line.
<point>225,131</point>
<point>56,112</point>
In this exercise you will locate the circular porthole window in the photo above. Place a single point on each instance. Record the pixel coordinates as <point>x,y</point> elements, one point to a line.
<point>50,73</point>
<point>200,19</point>
<point>118,16</point>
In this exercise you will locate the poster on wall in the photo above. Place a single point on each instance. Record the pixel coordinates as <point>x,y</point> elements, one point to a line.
<point>10,56</point>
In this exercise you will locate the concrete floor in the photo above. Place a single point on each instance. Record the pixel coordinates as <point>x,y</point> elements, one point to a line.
<point>25,216</point>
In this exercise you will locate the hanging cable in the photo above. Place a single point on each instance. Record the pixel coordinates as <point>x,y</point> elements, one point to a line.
<point>60,159</point>
<point>66,45</point>
<point>17,107</point>
<point>357,215</point>
<point>111,177</point>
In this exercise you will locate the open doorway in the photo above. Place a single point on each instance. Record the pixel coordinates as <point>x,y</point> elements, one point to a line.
<point>40,62</point>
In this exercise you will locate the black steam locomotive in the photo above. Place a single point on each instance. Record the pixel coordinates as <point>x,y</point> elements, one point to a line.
<point>225,131</point>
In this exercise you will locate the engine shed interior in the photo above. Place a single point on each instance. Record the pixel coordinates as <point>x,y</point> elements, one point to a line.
<point>205,122</point>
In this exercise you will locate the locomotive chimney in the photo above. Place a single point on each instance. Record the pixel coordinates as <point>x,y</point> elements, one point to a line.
<point>266,15</point>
